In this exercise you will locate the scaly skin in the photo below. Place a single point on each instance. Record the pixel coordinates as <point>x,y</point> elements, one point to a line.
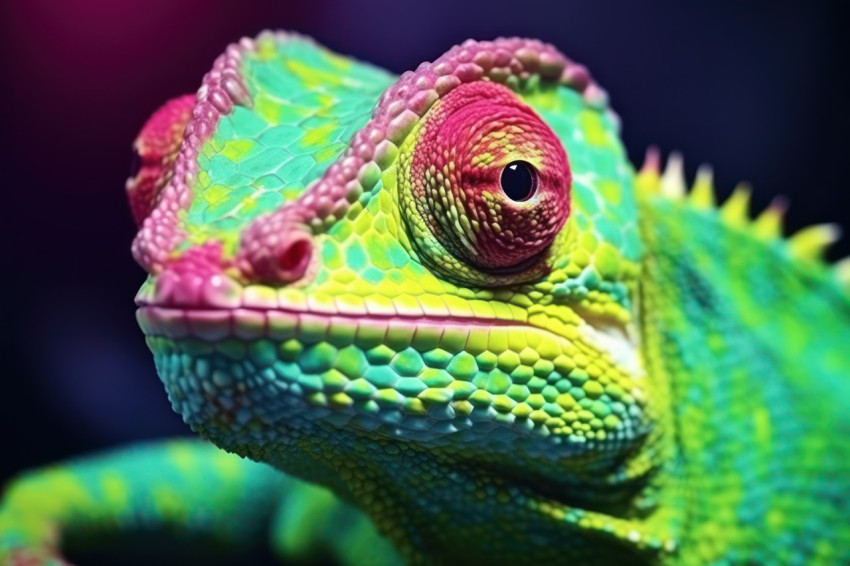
<point>606,371</point>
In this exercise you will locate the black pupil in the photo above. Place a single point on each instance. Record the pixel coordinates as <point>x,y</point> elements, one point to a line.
<point>519,180</point>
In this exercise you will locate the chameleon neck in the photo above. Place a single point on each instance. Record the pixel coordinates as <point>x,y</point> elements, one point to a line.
<point>722,326</point>
<point>445,509</point>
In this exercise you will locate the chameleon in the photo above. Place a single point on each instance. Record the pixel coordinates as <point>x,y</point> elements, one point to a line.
<point>440,317</point>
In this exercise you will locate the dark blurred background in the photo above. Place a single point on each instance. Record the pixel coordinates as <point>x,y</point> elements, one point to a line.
<point>754,88</point>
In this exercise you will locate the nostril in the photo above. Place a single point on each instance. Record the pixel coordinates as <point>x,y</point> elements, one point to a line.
<point>295,258</point>
<point>273,251</point>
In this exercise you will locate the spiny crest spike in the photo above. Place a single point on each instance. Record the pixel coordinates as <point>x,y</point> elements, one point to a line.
<point>673,179</point>
<point>648,180</point>
<point>811,242</point>
<point>735,211</point>
<point>702,192</point>
<point>768,225</point>
<point>652,161</point>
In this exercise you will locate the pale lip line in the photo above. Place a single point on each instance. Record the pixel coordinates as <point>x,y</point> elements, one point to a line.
<point>251,323</point>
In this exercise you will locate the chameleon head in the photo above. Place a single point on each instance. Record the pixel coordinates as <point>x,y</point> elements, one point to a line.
<point>434,298</point>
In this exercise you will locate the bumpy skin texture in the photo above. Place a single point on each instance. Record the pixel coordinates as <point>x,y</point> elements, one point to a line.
<point>602,370</point>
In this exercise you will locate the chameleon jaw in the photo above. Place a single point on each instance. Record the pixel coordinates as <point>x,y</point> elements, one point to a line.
<point>245,372</point>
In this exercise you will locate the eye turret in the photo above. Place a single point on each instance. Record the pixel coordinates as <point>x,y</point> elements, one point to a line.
<point>154,152</point>
<point>489,179</point>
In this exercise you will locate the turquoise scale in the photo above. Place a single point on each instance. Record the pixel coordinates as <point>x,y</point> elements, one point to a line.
<point>307,104</point>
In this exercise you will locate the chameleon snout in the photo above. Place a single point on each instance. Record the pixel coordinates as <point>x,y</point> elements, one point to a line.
<point>194,280</point>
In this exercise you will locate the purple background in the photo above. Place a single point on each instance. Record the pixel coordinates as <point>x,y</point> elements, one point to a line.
<point>755,89</point>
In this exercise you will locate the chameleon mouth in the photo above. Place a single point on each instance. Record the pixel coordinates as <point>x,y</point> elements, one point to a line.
<point>280,324</point>
<point>219,310</point>
<point>214,324</point>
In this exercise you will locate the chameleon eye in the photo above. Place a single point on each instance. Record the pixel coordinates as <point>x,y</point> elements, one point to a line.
<point>489,179</point>
<point>519,180</point>
<point>154,152</point>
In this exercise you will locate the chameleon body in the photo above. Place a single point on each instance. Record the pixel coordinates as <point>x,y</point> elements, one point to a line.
<point>449,300</point>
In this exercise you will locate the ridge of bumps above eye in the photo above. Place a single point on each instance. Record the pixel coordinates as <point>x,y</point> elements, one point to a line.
<point>466,141</point>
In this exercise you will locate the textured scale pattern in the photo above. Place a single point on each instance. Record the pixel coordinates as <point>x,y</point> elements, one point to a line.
<point>261,157</point>
<point>609,370</point>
